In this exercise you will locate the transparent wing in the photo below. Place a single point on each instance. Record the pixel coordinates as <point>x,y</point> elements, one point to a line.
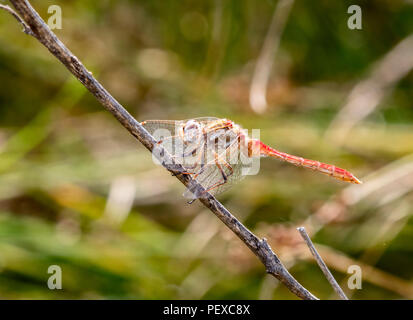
<point>222,169</point>
<point>166,133</point>
<point>212,180</point>
<point>171,125</point>
<point>205,119</point>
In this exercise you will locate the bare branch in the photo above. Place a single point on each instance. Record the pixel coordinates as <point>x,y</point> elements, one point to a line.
<point>321,264</point>
<point>26,28</point>
<point>259,247</point>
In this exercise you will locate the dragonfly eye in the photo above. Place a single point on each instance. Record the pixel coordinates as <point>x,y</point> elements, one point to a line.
<point>192,131</point>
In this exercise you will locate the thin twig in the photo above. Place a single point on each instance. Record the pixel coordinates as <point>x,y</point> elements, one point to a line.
<point>340,261</point>
<point>321,264</point>
<point>26,28</point>
<point>259,247</point>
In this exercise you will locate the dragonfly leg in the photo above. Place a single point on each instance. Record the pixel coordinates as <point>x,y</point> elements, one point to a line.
<point>224,175</point>
<point>219,162</point>
<point>202,168</point>
<point>220,183</point>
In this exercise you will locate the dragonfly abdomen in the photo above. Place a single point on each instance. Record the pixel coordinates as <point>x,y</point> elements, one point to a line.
<point>325,168</point>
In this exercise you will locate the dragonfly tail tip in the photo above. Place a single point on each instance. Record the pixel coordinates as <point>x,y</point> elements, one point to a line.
<point>356,180</point>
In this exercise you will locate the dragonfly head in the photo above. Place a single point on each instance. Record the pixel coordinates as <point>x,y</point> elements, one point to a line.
<point>191,131</point>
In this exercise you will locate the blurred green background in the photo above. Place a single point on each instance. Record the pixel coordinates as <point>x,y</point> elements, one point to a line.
<point>77,191</point>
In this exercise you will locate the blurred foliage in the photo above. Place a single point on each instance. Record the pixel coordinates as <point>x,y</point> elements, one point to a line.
<point>65,163</point>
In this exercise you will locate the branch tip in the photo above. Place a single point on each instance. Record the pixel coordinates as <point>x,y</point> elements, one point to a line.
<point>26,28</point>
<point>321,264</point>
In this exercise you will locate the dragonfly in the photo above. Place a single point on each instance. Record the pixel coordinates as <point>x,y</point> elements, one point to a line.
<point>215,152</point>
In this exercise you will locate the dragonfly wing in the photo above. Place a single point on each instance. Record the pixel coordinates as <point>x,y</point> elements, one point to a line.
<point>222,170</point>
<point>166,134</point>
<point>223,165</point>
<point>205,119</point>
<point>230,162</point>
<point>171,126</point>
<point>188,155</point>
<point>212,180</point>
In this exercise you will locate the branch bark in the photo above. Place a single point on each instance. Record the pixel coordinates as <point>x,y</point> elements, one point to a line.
<point>259,247</point>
